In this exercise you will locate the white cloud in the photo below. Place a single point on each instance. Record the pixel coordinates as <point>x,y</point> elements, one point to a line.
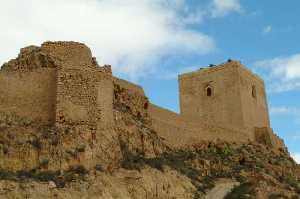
<point>267,29</point>
<point>223,7</point>
<point>296,157</point>
<point>174,74</point>
<point>132,35</point>
<point>283,72</point>
<point>286,111</point>
<point>281,110</point>
<point>296,136</point>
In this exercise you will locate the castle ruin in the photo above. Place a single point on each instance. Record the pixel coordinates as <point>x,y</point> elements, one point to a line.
<point>61,84</point>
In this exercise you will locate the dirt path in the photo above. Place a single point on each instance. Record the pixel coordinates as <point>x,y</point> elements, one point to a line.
<point>222,187</point>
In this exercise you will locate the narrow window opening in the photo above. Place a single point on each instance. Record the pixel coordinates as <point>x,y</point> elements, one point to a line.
<point>208,92</point>
<point>146,105</point>
<point>253,92</point>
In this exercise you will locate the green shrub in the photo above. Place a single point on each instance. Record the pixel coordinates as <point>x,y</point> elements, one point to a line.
<point>78,169</point>
<point>72,152</point>
<point>36,143</point>
<point>277,196</point>
<point>6,175</point>
<point>133,162</point>
<point>45,176</point>
<point>81,148</point>
<point>293,183</point>
<point>243,191</point>
<point>44,162</point>
<point>60,179</point>
<point>99,167</point>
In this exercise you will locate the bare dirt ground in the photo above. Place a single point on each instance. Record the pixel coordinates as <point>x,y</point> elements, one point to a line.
<point>223,186</point>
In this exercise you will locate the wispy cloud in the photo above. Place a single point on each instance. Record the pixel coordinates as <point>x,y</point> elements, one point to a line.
<point>132,35</point>
<point>294,112</point>
<point>295,136</point>
<point>296,157</point>
<point>174,74</point>
<point>282,110</point>
<point>267,29</point>
<point>283,72</point>
<point>223,7</point>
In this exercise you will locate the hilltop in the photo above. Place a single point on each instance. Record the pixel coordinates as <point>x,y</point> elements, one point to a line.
<point>70,129</point>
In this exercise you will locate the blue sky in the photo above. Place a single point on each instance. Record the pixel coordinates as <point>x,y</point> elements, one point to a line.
<point>151,41</point>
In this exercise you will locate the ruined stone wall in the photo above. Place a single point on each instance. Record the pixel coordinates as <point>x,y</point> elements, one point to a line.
<point>60,83</point>
<point>131,87</point>
<point>130,97</point>
<point>76,92</point>
<point>72,55</point>
<point>223,106</point>
<point>253,99</point>
<point>105,95</point>
<point>266,136</point>
<point>28,86</point>
<point>76,97</point>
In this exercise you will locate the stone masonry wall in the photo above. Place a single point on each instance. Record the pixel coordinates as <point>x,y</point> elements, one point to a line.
<point>130,97</point>
<point>76,101</point>
<point>61,83</point>
<point>89,110</point>
<point>254,99</point>
<point>28,85</point>
<point>105,92</point>
<point>223,107</point>
<point>178,131</point>
<point>76,97</point>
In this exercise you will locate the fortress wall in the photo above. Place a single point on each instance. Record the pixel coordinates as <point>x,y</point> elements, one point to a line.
<point>254,109</point>
<point>177,131</point>
<point>277,142</point>
<point>105,93</point>
<point>180,136</point>
<point>266,136</point>
<point>131,87</point>
<point>76,97</point>
<point>130,97</point>
<point>168,125</point>
<point>76,85</point>
<point>72,55</point>
<point>213,133</point>
<point>167,116</point>
<point>29,94</point>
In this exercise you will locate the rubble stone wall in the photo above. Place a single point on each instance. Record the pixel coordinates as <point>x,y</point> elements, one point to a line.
<point>130,97</point>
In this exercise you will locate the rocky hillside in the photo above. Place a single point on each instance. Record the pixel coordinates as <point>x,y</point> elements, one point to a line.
<point>145,168</point>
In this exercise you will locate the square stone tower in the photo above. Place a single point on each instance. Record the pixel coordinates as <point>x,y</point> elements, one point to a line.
<point>227,95</point>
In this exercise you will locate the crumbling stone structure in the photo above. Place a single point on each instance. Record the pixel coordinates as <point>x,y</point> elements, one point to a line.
<point>61,84</point>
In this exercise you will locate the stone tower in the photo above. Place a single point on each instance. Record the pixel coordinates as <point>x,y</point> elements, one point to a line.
<point>227,95</point>
<point>59,83</point>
